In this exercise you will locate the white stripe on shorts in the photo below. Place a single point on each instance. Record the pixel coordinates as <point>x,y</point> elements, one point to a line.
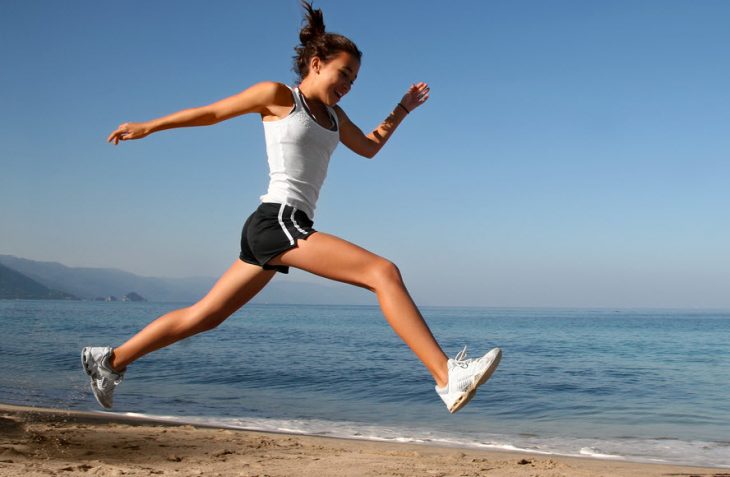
<point>283,227</point>
<point>294,221</point>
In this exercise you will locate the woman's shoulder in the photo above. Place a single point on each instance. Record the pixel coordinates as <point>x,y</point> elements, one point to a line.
<point>274,93</point>
<point>341,115</point>
<point>273,100</point>
<point>272,85</point>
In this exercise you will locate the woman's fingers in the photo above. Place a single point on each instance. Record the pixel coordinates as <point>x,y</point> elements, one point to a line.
<point>125,132</point>
<point>117,134</point>
<point>417,94</point>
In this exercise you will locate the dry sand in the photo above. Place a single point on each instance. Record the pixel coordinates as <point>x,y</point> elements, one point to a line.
<point>43,442</point>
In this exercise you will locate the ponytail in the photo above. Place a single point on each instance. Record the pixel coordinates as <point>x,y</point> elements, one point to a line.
<point>314,28</point>
<point>315,41</point>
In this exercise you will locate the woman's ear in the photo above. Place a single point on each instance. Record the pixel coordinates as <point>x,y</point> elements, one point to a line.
<point>315,64</point>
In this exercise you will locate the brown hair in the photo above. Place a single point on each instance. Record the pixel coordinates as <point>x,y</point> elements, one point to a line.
<point>315,41</point>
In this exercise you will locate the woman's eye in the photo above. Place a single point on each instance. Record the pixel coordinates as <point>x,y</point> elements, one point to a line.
<point>346,76</point>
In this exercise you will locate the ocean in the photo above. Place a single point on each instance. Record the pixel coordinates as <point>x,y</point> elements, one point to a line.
<point>639,385</point>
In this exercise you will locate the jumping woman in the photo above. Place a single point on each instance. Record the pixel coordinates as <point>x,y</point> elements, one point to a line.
<point>302,127</point>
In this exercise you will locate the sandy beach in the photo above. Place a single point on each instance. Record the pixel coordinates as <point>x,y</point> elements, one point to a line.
<point>42,442</point>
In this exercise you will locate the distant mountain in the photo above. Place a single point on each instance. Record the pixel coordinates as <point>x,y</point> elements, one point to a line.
<point>133,297</point>
<point>15,285</point>
<point>92,283</point>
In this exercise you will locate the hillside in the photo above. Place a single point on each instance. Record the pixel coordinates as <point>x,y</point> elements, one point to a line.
<point>90,283</point>
<point>15,285</point>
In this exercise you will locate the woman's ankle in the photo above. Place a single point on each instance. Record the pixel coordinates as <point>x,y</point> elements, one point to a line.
<point>114,363</point>
<point>441,375</point>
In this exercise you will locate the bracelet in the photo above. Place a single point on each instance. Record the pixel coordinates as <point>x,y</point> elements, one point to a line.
<point>404,108</point>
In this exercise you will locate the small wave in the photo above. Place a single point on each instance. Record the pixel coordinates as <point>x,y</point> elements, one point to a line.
<point>591,452</point>
<point>658,450</point>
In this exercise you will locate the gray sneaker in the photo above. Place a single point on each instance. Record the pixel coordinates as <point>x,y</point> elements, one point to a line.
<point>103,378</point>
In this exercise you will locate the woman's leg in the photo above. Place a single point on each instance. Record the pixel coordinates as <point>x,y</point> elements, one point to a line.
<point>236,287</point>
<point>331,257</point>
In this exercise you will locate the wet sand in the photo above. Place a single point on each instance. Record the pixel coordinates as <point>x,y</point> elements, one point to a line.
<point>48,442</point>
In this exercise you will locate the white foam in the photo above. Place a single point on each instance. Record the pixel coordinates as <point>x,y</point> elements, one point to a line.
<point>632,449</point>
<point>591,452</point>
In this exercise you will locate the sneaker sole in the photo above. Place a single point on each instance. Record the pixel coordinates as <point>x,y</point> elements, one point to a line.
<point>464,399</point>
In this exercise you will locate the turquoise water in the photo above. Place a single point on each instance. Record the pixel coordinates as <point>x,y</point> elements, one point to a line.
<point>647,385</point>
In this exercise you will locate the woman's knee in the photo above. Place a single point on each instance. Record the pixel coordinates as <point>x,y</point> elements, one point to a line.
<point>384,273</point>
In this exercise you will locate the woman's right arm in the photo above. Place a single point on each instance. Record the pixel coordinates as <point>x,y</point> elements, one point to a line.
<point>266,98</point>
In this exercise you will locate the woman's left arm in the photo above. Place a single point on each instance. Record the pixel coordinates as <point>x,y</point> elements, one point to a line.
<point>369,145</point>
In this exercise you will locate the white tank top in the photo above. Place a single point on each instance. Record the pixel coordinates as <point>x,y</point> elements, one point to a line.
<point>299,151</point>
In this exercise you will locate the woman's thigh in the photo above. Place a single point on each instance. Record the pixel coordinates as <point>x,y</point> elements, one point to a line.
<point>334,258</point>
<point>241,282</point>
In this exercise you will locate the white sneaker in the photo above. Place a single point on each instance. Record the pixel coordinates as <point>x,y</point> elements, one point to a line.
<point>103,378</point>
<point>465,376</point>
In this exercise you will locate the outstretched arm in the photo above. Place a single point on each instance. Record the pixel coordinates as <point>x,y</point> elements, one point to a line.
<point>369,145</point>
<point>263,98</point>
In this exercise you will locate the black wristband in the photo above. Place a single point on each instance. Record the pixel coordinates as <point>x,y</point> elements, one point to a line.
<point>404,108</point>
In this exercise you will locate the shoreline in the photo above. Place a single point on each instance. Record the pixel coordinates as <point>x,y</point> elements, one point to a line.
<point>42,441</point>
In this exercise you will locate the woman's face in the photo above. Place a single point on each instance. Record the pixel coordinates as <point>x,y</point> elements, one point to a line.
<point>334,78</point>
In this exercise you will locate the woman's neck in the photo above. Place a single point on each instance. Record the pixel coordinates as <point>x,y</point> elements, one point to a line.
<point>309,94</point>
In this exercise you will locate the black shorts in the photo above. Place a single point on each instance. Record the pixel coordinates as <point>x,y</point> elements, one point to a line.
<point>272,230</point>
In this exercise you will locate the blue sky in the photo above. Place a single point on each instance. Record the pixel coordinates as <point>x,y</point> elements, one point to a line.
<point>572,154</point>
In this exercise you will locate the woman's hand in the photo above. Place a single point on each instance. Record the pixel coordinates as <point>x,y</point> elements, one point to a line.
<point>129,131</point>
<point>416,95</point>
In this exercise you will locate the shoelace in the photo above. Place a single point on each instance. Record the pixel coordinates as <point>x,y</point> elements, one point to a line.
<point>461,359</point>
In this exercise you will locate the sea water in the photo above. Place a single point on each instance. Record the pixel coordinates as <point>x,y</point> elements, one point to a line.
<point>642,385</point>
